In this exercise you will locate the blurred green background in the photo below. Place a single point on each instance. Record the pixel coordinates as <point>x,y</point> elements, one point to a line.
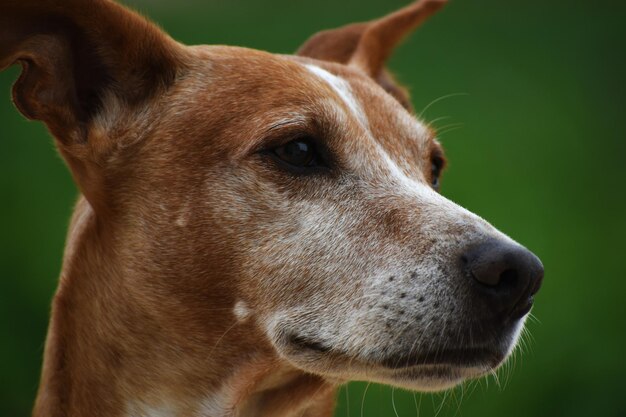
<point>539,152</point>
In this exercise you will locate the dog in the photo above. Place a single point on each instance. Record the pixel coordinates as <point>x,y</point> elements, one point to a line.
<point>253,229</point>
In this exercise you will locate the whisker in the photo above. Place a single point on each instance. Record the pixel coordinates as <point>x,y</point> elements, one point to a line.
<point>363,400</point>
<point>393,401</point>
<point>437,100</point>
<point>438,119</point>
<point>418,406</point>
<point>494,374</point>
<point>443,401</point>
<point>441,133</point>
<point>534,318</point>
<point>472,386</point>
<point>449,127</point>
<point>460,400</point>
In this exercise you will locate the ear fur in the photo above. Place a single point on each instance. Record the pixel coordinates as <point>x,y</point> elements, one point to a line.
<point>368,45</point>
<point>75,52</point>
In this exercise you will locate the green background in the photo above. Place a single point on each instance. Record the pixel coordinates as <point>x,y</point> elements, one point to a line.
<point>540,154</point>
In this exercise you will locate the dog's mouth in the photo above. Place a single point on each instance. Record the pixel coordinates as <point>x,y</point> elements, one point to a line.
<point>431,371</point>
<point>455,357</point>
<point>446,362</point>
<point>459,357</point>
<point>305,343</point>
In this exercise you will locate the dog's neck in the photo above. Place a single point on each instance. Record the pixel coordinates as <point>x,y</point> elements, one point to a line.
<point>110,352</point>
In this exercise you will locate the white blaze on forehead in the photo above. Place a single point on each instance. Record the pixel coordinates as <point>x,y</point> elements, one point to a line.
<point>343,90</point>
<point>404,184</point>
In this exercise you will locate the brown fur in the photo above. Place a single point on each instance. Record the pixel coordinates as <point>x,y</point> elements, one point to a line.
<point>157,252</point>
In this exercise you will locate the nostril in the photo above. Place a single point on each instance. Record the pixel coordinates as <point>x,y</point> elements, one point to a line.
<point>508,279</point>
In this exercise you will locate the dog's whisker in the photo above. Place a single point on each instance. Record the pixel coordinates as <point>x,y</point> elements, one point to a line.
<point>417,405</point>
<point>222,337</point>
<point>496,379</point>
<point>526,340</point>
<point>528,337</point>
<point>363,399</point>
<point>473,385</point>
<point>347,391</point>
<point>438,119</point>
<point>449,128</point>
<point>393,401</point>
<point>454,396</point>
<point>437,100</point>
<point>441,403</point>
<point>445,132</point>
<point>460,399</point>
<point>504,372</point>
<point>534,318</point>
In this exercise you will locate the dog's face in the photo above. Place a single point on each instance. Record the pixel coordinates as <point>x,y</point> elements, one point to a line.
<point>318,197</point>
<point>304,193</point>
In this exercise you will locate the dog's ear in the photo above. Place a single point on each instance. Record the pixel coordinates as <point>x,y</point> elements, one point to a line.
<point>368,45</point>
<point>75,55</point>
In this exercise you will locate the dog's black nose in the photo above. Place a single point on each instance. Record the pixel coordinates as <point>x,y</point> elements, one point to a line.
<point>505,275</point>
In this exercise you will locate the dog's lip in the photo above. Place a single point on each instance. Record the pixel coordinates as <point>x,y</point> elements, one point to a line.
<point>304,342</point>
<point>454,357</point>
<point>521,309</point>
<point>465,357</point>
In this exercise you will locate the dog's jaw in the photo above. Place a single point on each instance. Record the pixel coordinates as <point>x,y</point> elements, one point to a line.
<point>259,388</point>
<point>436,371</point>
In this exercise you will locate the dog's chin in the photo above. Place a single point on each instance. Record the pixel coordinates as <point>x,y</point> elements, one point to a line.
<point>430,375</point>
<point>429,371</point>
<point>432,378</point>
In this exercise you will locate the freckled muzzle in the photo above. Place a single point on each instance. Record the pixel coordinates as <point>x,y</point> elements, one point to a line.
<point>499,279</point>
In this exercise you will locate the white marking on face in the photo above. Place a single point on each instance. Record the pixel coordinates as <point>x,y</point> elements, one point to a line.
<point>342,88</point>
<point>183,214</point>
<point>241,311</point>
<point>429,197</point>
<point>138,409</point>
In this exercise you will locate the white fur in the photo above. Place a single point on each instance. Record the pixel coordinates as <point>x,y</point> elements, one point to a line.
<point>138,409</point>
<point>343,90</point>
<point>241,310</point>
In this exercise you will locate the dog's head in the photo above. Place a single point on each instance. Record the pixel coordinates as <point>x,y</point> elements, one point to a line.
<point>299,192</point>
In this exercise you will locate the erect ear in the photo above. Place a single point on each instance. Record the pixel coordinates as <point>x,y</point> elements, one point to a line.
<point>368,45</point>
<point>74,53</point>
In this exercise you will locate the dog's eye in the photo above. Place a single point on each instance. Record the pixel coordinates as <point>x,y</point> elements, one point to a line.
<point>299,153</point>
<point>436,165</point>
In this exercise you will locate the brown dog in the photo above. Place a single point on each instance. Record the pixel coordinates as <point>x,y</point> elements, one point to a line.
<point>254,229</point>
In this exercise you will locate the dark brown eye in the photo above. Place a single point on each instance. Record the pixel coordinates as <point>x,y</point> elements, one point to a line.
<point>436,165</point>
<point>299,153</point>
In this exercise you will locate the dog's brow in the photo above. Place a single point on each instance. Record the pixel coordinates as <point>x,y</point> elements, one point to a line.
<point>343,90</point>
<point>286,122</point>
